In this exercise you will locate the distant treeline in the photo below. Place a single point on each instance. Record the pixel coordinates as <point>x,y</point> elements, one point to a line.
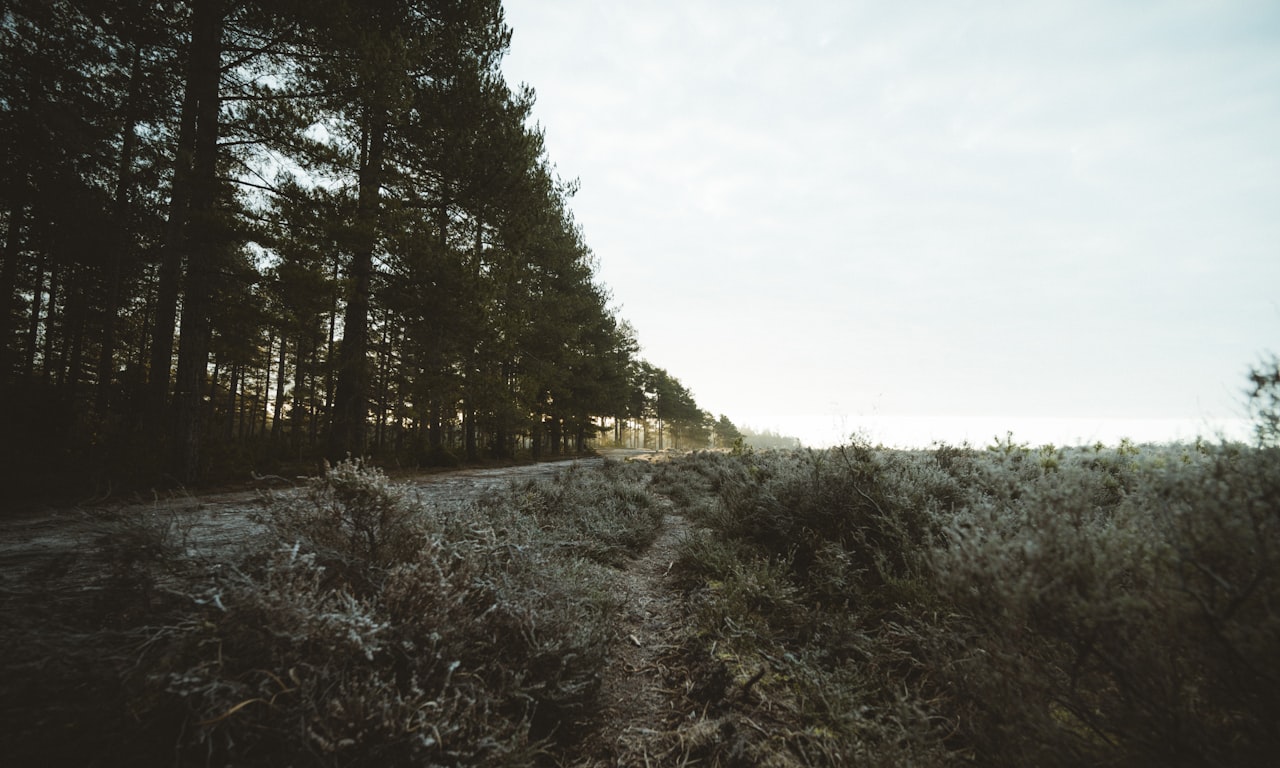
<point>768,439</point>
<point>242,232</point>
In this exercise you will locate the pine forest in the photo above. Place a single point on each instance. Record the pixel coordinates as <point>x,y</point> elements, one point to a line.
<point>239,234</point>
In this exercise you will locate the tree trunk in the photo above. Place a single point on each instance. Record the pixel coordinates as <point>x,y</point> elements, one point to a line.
<point>298,415</point>
<point>203,239</point>
<point>314,423</point>
<point>33,329</point>
<point>557,432</point>
<point>212,411</point>
<point>9,286</point>
<point>331,373</point>
<point>233,388</point>
<point>50,319</point>
<point>435,431</point>
<point>252,413</point>
<point>244,429</point>
<point>76,320</point>
<point>277,422</point>
<point>260,413</point>
<point>469,432</point>
<point>169,275</point>
<point>266,378</point>
<point>351,401</point>
<point>124,180</point>
<point>384,382</point>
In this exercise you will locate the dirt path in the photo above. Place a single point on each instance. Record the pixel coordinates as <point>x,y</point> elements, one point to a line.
<point>54,540</point>
<point>638,700</point>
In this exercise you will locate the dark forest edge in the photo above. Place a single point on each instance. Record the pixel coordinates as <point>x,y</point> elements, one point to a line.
<point>243,236</point>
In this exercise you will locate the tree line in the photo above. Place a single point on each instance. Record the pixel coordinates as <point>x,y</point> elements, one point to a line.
<point>244,231</point>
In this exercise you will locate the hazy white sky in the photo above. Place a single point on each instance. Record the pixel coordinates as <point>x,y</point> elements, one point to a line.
<point>928,219</point>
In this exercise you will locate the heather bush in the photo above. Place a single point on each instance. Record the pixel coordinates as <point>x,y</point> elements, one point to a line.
<point>390,634</point>
<point>695,479</point>
<point>607,515</point>
<point>1009,606</point>
<point>359,627</point>
<point>1014,606</point>
<point>1139,634</point>
<point>850,519</point>
<point>72,630</point>
<point>136,554</point>
<point>467,654</point>
<point>807,588</point>
<point>352,515</point>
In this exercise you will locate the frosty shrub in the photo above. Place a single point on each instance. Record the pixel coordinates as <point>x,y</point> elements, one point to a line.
<point>1013,606</point>
<point>71,631</point>
<point>1104,606</point>
<point>138,551</point>
<point>695,480</point>
<point>1144,633</point>
<point>848,518</point>
<point>607,515</point>
<point>351,514</point>
<point>808,590</point>
<point>386,635</point>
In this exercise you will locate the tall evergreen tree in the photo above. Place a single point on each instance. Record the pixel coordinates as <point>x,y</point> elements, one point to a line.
<point>337,211</point>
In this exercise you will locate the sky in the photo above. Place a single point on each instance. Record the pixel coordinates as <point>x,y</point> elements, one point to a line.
<point>921,221</point>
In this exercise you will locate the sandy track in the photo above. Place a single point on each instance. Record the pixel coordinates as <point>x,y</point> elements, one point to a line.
<point>54,542</point>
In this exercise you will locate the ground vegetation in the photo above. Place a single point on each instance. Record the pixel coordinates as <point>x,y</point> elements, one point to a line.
<point>1001,606</point>
<point>1004,605</point>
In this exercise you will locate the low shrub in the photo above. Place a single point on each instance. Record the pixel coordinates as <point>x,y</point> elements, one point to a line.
<point>353,519</point>
<point>846,520</point>
<point>607,515</point>
<point>388,634</point>
<point>1144,634</point>
<point>468,654</point>
<point>1093,606</point>
<point>805,588</point>
<point>360,628</point>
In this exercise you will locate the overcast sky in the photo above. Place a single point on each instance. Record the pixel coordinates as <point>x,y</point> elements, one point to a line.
<point>928,220</point>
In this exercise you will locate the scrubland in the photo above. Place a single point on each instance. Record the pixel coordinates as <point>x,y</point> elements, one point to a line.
<point>1007,606</point>
<point>1002,605</point>
<point>365,626</point>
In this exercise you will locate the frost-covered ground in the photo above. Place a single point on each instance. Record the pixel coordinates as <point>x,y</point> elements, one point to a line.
<point>50,541</point>
<point>1006,606</point>
<point>461,618</point>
